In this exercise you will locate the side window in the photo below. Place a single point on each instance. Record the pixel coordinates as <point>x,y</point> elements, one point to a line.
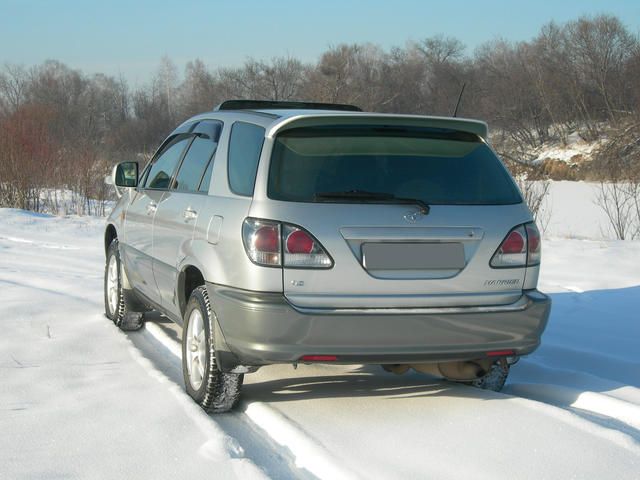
<point>206,178</point>
<point>185,128</point>
<point>198,157</point>
<point>165,165</point>
<point>144,174</point>
<point>245,146</point>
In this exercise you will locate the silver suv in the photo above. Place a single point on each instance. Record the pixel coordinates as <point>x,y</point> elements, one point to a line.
<point>286,232</point>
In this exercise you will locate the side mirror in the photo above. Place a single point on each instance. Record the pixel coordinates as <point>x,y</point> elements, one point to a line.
<point>125,174</point>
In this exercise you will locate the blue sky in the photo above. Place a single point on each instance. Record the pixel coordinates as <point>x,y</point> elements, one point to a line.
<point>130,37</point>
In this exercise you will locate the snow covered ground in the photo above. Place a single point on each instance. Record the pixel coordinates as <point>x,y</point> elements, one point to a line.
<point>80,399</point>
<point>570,210</point>
<point>575,151</point>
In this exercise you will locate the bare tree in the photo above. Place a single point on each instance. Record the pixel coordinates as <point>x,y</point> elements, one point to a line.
<point>13,86</point>
<point>601,47</point>
<point>280,79</point>
<point>166,84</point>
<point>618,162</point>
<point>28,152</point>
<point>439,50</point>
<point>199,91</point>
<point>445,72</point>
<point>617,202</point>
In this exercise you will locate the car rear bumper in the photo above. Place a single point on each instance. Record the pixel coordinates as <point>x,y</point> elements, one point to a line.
<point>257,328</point>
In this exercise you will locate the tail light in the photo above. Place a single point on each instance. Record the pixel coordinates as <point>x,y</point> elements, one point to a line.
<point>302,250</point>
<point>262,241</point>
<point>534,245</point>
<point>520,248</point>
<point>278,244</point>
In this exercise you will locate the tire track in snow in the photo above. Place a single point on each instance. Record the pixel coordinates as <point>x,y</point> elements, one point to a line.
<point>532,370</point>
<point>50,291</point>
<point>585,423</point>
<point>304,458</point>
<point>579,392</point>
<point>296,439</point>
<point>219,446</point>
<point>244,464</point>
<point>597,364</point>
<point>54,246</point>
<point>625,412</point>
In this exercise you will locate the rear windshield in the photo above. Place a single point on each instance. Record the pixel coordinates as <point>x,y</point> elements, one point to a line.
<point>437,166</point>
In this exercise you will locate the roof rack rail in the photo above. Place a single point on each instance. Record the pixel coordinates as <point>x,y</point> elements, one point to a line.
<point>273,104</point>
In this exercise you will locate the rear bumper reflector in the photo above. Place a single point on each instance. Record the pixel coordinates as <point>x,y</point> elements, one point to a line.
<point>501,353</point>
<point>318,358</point>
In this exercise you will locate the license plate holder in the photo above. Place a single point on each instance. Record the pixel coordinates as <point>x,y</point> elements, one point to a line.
<point>413,256</point>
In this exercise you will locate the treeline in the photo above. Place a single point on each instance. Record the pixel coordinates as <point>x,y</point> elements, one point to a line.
<point>61,129</point>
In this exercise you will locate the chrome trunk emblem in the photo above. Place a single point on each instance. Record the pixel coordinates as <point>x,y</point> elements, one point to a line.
<point>413,217</point>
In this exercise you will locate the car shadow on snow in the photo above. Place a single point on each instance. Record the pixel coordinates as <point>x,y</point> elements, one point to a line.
<point>360,381</point>
<point>343,381</point>
<point>590,345</point>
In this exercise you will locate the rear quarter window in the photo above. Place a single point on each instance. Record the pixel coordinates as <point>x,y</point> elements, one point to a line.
<point>245,146</point>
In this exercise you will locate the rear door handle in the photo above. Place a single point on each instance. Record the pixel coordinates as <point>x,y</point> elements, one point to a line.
<point>189,214</point>
<point>151,208</point>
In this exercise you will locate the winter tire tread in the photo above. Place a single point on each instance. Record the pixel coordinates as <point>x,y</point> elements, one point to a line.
<point>220,391</point>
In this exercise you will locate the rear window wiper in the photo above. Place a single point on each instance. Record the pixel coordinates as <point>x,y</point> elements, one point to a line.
<point>373,197</point>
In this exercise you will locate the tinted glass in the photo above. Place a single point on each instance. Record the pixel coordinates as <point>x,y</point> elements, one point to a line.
<point>437,166</point>
<point>210,128</point>
<point>163,168</point>
<point>198,156</point>
<point>245,146</point>
<point>184,128</point>
<point>194,164</point>
<point>206,179</point>
<point>145,174</point>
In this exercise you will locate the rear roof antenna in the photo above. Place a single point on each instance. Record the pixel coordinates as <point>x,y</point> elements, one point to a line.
<point>455,112</point>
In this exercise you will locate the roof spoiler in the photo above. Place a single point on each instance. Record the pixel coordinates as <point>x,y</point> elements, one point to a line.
<point>475,127</point>
<point>272,104</point>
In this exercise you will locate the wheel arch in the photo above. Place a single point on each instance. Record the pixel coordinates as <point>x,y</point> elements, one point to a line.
<point>110,234</point>
<point>189,278</point>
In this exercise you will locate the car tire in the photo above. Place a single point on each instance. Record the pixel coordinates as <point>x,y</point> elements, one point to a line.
<point>215,391</point>
<point>115,305</point>
<point>494,379</point>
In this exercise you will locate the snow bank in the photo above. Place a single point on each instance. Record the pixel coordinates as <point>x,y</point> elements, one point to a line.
<point>571,211</point>
<point>575,151</point>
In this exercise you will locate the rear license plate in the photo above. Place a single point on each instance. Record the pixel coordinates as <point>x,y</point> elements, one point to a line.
<point>412,256</point>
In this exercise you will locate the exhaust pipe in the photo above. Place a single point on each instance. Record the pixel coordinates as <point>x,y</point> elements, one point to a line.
<point>456,371</point>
